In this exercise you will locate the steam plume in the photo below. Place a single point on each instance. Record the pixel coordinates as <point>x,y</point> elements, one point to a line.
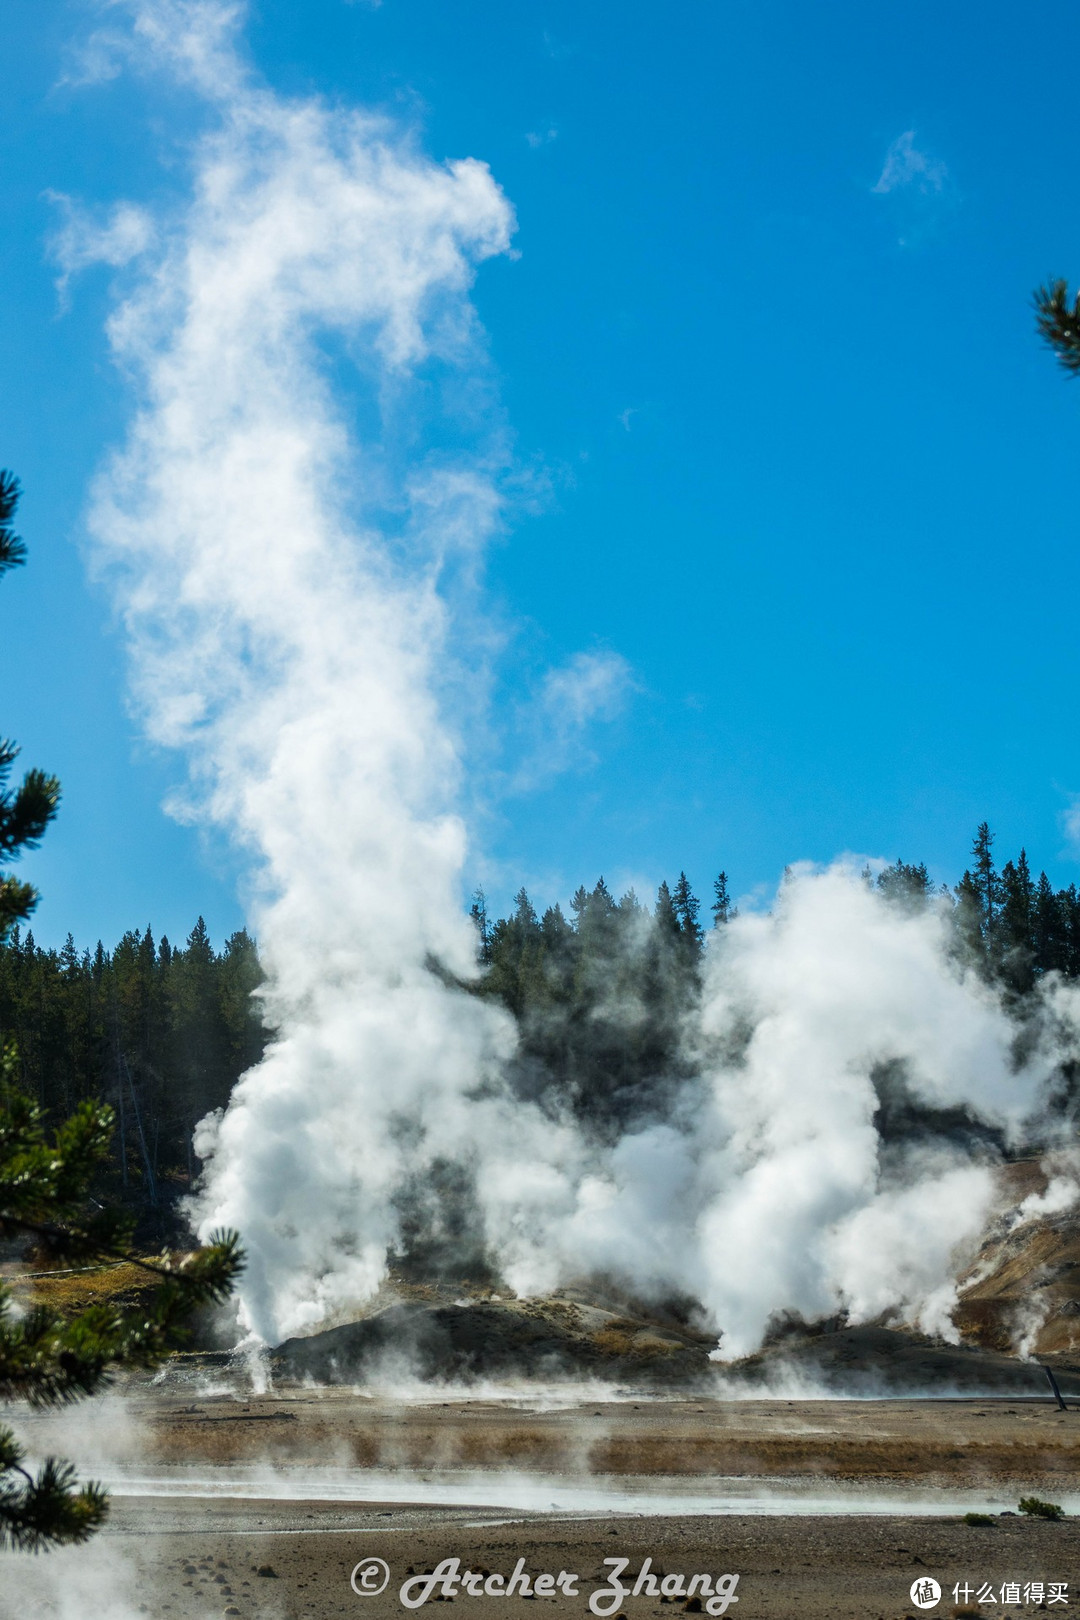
<point>277,641</point>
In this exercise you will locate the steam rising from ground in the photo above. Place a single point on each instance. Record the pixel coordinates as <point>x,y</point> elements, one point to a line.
<point>279,574</point>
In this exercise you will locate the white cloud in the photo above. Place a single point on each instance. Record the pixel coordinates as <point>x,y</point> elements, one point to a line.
<point>81,240</point>
<point>197,40</point>
<point>905,165</point>
<point>589,687</point>
<point>542,137</point>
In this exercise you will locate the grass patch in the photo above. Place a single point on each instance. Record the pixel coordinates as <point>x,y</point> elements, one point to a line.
<point>69,1292</point>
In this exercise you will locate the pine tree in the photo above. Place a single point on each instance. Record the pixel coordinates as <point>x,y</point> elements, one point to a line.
<point>906,885</point>
<point>978,902</point>
<point>667,921</point>
<point>722,909</point>
<point>525,914</point>
<point>686,906</point>
<point>48,1359</point>
<point>45,1358</point>
<point>1017,923</point>
<point>478,913</point>
<point>554,926</point>
<point>987,881</point>
<point>25,811</point>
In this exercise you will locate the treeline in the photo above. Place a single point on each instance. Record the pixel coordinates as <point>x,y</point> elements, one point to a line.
<point>161,1033</point>
<point>603,998</point>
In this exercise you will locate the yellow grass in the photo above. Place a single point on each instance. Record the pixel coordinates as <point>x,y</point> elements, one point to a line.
<point>71,1291</point>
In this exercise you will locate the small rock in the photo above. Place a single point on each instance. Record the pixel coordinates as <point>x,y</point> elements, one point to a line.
<point>268,1570</point>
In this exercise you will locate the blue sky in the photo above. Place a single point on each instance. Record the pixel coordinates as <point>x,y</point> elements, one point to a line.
<point>766,354</point>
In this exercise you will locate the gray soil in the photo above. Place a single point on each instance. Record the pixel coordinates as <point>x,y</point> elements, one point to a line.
<point>188,1561</point>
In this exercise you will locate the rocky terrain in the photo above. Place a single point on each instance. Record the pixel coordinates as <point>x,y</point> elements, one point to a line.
<point>1019,1311</point>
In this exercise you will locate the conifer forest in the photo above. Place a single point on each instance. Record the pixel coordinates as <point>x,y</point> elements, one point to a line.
<point>600,997</point>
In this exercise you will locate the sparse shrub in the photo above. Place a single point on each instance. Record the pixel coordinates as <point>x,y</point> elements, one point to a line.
<point>1036,1508</point>
<point>979,1518</point>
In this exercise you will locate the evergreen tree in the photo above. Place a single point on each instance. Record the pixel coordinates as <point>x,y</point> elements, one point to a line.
<point>478,913</point>
<point>525,915</point>
<point>667,920</point>
<point>1017,923</point>
<point>239,976</point>
<point>686,906</point>
<point>908,886</point>
<point>556,930</point>
<point>25,811</point>
<point>722,909</point>
<point>987,882</point>
<point>47,1359</point>
<point>978,902</point>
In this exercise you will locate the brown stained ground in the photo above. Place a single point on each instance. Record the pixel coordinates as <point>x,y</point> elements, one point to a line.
<point>187,1564</point>
<point>959,1443</point>
<point>192,1558</point>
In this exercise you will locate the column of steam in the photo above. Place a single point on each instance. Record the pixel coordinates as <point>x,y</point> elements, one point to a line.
<point>275,640</point>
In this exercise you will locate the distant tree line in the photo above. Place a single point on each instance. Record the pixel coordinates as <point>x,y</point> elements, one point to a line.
<point>603,997</point>
<point>161,1033</point>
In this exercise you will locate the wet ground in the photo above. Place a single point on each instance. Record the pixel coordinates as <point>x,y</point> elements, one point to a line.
<point>822,1508</point>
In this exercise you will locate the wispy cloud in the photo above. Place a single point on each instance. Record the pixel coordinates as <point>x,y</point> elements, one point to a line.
<point>542,137</point>
<point>906,165</point>
<point>84,238</point>
<point>557,49</point>
<point>1070,821</point>
<point>198,40</point>
<point>590,687</point>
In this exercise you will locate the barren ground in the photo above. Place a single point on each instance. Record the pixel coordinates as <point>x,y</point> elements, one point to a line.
<point>187,1557</point>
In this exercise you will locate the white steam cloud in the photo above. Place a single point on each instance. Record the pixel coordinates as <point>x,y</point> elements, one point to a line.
<point>299,650</point>
<point>275,640</point>
<point>770,1191</point>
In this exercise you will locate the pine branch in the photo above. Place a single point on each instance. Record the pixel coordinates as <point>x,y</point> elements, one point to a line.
<point>48,1510</point>
<point>48,1359</point>
<point>1059,322</point>
<point>12,550</point>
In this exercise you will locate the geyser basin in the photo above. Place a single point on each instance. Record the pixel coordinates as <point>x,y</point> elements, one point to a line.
<point>555,1495</point>
<point>567,1454</point>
